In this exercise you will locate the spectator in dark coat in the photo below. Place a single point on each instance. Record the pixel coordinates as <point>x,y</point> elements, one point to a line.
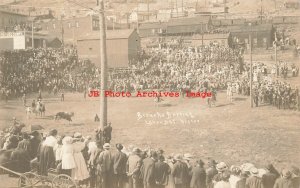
<point>105,164</point>
<point>25,143</point>
<point>268,179</point>
<point>211,171</point>
<point>119,165</point>
<point>107,133</point>
<point>162,171</point>
<point>242,182</point>
<point>198,176</point>
<point>285,181</point>
<point>254,181</point>
<point>180,173</point>
<point>147,170</point>
<point>20,159</point>
<point>34,143</point>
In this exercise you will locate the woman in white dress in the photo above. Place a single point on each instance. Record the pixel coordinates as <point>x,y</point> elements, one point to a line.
<point>67,156</point>
<point>81,172</point>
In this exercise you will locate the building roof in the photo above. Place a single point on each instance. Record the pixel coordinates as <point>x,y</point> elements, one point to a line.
<point>110,34</point>
<point>11,12</point>
<point>212,36</point>
<point>153,25</point>
<point>247,28</point>
<point>197,20</point>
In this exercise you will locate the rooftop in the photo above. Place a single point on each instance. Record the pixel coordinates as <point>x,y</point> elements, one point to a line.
<point>110,34</point>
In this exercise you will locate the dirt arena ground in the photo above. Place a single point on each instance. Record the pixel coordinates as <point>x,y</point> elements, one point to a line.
<point>231,132</point>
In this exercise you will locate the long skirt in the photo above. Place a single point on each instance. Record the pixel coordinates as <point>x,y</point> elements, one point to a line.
<point>46,160</point>
<point>80,172</point>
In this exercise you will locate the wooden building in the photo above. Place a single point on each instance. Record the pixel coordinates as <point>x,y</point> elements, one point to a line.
<point>122,47</point>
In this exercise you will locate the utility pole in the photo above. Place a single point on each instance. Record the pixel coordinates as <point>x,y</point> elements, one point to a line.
<point>182,7</point>
<point>62,31</point>
<point>103,86</point>
<point>137,17</point>
<point>251,67</point>
<point>261,11</point>
<point>176,8</point>
<point>148,10</point>
<point>276,63</point>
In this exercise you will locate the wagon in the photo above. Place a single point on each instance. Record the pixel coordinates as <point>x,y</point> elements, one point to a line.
<point>33,180</point>
<point>53,180</point>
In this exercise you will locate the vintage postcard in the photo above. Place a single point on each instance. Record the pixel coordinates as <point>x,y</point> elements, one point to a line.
<point>149,93</point>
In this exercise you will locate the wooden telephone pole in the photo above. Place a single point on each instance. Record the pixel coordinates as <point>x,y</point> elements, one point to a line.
<point>103,55</point>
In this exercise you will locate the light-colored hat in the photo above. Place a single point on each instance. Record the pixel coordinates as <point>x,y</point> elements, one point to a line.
<point>177,157</point>
<point>106,146</point>
<point>67,140</point>
<point>254,171</point>
<point>77,135</point>
<point>221,167</point>
<point>261,172</point>
<point>246,167</point>
<point>188,156</point>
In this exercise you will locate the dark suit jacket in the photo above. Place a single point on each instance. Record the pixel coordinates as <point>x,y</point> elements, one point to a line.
<point>162,171</point>
<point>147,171</point>
<point>210,173</point>
<point>180,173</point>
<point>268,180</point>
<point>119,163</point>
<point>198,178</point>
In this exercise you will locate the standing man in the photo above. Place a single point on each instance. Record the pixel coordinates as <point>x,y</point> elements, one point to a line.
<point>148,170</point>
<point>105,162</point>
<point>119,166</point>
<point>198,176</point>
<point>107,133</point>
<point>254,181</point>
<point>134,164</point>
<point>285,181</point>
<point>24,99</point>
<point>180,173</point>
<point>162,172</point>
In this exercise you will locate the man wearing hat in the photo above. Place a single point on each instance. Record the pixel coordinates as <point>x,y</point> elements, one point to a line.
<point>254,181</point>
<point>134,164</point>
<point>147,170</point>
<point>269,178</point>
<point>119,165</point>
<point>285,181</point>
<point>198,176</point>
<point>162,171</point>
<point>106,166</point>
<point>180,173</point>
<point>211,171</point>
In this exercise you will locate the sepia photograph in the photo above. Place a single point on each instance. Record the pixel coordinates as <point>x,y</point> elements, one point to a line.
<point>149,94</point>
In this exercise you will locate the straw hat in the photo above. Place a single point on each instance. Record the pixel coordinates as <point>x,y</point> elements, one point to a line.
<point>106,146</point>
